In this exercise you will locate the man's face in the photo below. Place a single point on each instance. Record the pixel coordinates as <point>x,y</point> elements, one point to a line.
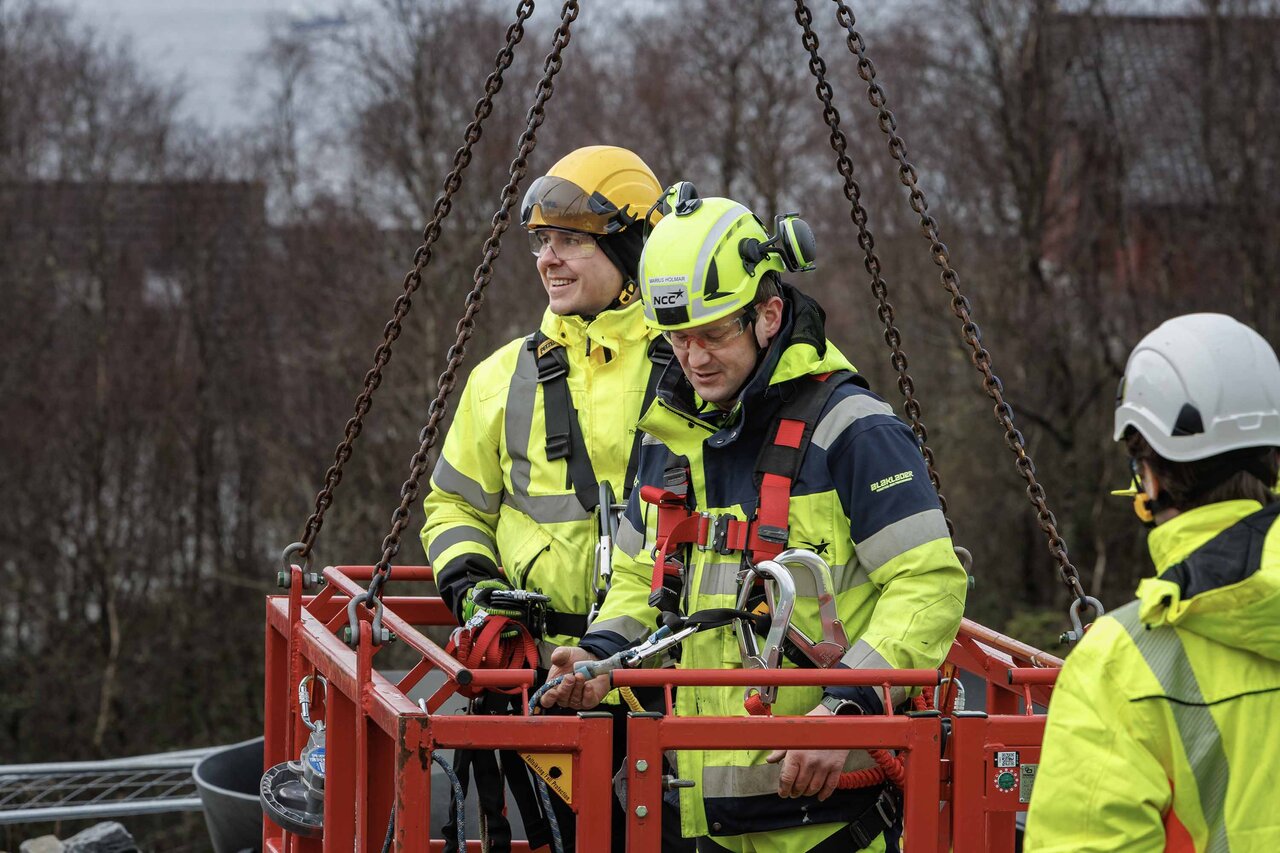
<point>718,358</point>
<point>579,278</point>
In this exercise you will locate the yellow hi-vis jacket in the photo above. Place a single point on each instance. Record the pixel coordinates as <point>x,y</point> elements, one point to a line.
<point>496,500</point>
<point>862,500</point>
<point>1164,727</point>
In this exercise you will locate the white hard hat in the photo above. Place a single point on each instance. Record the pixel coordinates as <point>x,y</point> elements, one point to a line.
<point>1201,385</point>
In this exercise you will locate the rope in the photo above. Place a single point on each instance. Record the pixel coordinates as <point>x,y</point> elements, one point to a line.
<point>459,801</point>
<point>889,767</point>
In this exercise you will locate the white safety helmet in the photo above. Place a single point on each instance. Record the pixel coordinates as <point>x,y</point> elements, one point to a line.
<point>1201,385</point>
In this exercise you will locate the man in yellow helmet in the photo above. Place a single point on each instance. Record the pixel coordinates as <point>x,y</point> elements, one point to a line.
<point>1161,732</point>
<point>722,442</point>
<point>549,419</point>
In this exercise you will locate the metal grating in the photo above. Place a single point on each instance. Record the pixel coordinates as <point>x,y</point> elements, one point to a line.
<point>144,784</point>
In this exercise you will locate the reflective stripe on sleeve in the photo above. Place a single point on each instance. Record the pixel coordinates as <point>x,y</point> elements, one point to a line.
<point>900,537</point>
<point>450,479</point>
<point>449,537</point>
<point>842,416</point>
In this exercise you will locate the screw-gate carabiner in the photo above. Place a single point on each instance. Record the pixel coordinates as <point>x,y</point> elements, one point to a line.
<point>304,700</point>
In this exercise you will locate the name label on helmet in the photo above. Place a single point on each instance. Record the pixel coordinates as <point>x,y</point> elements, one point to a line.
<point>671,295</point>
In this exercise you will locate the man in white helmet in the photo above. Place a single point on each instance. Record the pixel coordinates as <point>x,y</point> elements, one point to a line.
<point>1161,732</point>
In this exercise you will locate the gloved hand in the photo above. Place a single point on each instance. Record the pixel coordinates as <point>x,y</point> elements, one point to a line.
<point>477,599</point>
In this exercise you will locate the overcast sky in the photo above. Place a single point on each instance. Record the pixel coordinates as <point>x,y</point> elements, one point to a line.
<point>208,43</point>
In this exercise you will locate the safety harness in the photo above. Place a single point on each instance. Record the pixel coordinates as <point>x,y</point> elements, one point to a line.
<point>565,440</point>
<point>484,645</point>
<point>777,466</point>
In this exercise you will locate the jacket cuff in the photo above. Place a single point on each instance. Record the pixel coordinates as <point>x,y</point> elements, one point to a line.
<point>460,575</point>
<point>865,697</point>
<point>604,644</point>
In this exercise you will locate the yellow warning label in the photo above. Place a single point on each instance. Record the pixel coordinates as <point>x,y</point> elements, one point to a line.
<point>556,769</point>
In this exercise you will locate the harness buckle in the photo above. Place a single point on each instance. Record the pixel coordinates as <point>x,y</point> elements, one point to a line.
<point>558,446</point>
<point>719,534</point>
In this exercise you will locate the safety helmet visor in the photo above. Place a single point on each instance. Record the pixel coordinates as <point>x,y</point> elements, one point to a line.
<point>555,202</point>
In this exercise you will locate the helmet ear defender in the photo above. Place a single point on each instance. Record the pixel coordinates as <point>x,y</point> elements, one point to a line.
<point>792,241</point>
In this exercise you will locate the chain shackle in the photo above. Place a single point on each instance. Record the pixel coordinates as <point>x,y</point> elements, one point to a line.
<point>970,333</point>
<point>866,241</point>
<point>474,299</point>
<point>413,279</point>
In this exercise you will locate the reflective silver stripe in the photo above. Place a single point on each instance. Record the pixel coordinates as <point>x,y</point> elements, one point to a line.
<point>548,509</point>
<point>1163,652</point>
<point>760,778</point>
<point>649,440</point>
<point>849,576</point>
<point>447,538</point>
<point>709,246</point>
<point>628,540</point>
<point>900,537</point>
<point>843,414</point>
<point>521,397</point>
<point>451,480</point>
<point>629,627</point>
<point>863,656</point>
<point>719,579</point>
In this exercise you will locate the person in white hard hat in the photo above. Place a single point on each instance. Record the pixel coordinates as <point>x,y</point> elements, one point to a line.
<point>1161,731</point>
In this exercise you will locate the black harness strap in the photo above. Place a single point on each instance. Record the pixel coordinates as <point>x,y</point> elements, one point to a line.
<point>564,434</point>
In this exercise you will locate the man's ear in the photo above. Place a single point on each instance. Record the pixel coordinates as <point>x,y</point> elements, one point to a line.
<point>768,320</point>
<point>1150,482</point>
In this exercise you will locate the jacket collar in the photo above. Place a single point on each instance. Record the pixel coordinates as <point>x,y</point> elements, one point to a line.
<point>612,329</point>
<point>799,349</point>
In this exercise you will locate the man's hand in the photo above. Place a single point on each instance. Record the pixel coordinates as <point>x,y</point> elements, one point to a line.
<point>476,601</point>
<point>575,691</point>
<point>806,772</point>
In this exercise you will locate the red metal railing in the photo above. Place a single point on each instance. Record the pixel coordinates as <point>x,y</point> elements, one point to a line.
<point>379,742</point>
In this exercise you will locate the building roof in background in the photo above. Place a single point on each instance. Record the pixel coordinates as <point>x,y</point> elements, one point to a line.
<point>1142,82</point>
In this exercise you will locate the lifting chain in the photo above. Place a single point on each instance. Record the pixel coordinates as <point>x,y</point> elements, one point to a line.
<point>970,332</point>
<point>858,213</point>
<point>413,280</point>
<point>481,277</point>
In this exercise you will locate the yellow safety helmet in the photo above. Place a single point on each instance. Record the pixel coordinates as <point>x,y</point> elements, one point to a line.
<point>707,261</point>
<point>600,189</point>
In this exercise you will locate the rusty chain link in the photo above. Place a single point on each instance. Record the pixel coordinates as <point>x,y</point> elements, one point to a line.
<point>960,306</point>
<point>413,279</point>
<point>481,277</point>
<point>858,213</point>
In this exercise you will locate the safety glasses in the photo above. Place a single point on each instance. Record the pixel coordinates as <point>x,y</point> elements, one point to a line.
<point>711,338</point>
<point>567,245</point>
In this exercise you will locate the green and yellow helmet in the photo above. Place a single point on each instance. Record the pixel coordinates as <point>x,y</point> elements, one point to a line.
<point>600,189</point>
<point>707,261</point>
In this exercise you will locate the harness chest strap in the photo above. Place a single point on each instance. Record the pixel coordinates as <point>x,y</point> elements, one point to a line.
<point>777,467</point>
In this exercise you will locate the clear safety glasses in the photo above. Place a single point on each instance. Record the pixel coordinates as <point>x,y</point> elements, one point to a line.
<point>567,245</point>
<point>713,337</point>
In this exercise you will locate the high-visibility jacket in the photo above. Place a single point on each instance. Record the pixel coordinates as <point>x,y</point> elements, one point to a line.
<point>497,500</point>
<point>862,500</point>
<point>1162,729</point>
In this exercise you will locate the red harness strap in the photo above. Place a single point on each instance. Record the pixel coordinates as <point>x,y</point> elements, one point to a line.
<point>487,649</point>
<point>765,536</point>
